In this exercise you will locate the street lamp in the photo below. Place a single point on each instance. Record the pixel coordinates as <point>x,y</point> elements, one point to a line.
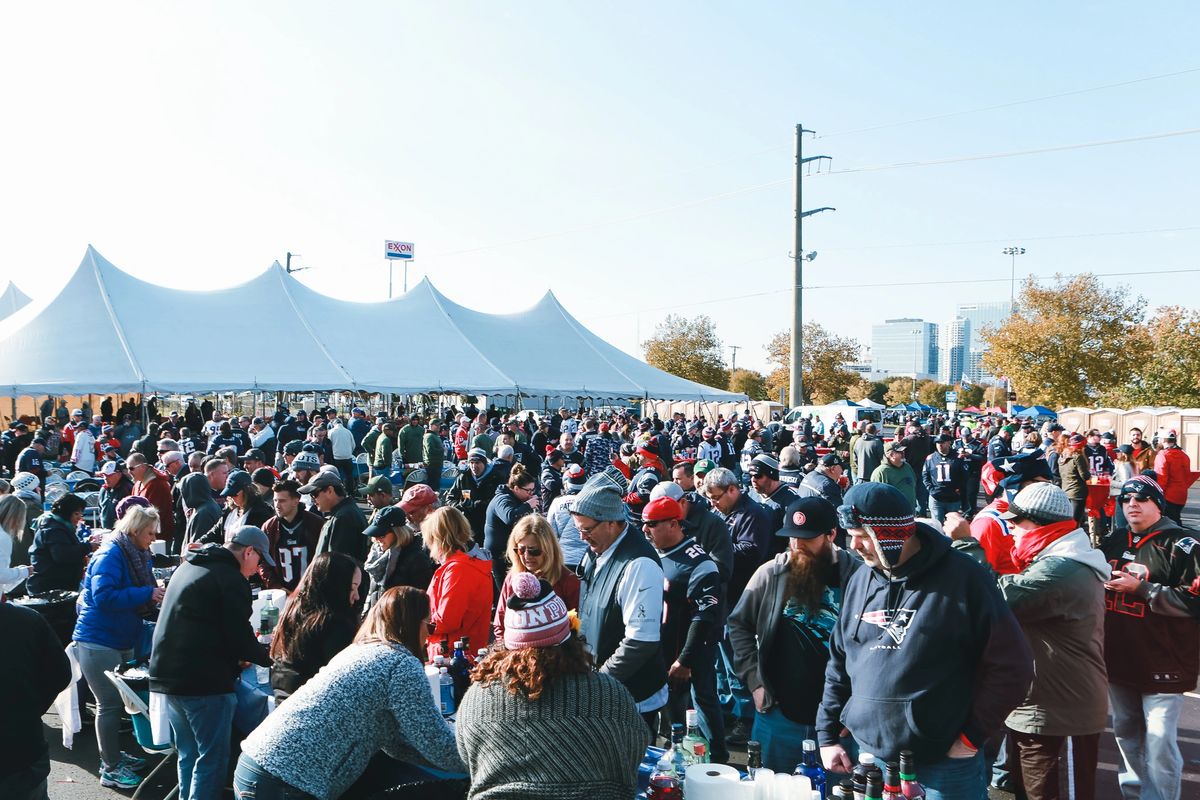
<point>1013,252</point>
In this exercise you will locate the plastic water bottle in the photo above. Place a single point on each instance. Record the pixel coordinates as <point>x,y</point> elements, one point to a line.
<point>447,692</point>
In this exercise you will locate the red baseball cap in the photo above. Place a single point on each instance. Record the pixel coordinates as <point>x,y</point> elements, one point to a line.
<point>662,508</point>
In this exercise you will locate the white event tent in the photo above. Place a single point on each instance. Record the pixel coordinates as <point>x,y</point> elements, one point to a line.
<point>107,331</point>
<point>12,300</point>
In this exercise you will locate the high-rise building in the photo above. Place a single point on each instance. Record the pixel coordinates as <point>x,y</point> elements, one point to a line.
<point>905,348</point>
<point>953,349</point>
<point>981,317</point>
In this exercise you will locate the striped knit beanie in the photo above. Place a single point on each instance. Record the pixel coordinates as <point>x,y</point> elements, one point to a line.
<point>601,498</point>
<point>535,616</point>
<point>884,513</point>
<point>1145,486</point>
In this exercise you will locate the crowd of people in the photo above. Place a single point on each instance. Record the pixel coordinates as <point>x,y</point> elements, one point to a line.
<point>811,580</point>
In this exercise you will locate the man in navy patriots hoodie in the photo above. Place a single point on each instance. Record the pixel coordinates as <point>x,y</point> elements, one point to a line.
<point>925,655</point>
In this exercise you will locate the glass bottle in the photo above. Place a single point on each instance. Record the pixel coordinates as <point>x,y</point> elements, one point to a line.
<point>810,766</point>
<point>753,759</point>
<point>891,782</point>
<point>695,746</point>
<point>874,787</point>
<point>663,783</point>
<point>908,777</point>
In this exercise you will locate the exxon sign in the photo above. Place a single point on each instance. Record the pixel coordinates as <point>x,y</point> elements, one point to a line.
<point>398,249</point>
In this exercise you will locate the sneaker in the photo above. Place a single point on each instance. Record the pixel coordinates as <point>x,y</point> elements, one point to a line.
<point>119,778</point>
<point>132,762</point>
<point>740,733</point>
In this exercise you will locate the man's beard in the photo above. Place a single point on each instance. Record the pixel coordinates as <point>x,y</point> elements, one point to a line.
<point>809,575</point>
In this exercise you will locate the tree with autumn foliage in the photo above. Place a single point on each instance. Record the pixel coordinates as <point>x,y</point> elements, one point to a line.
<point>748,382</point>
<point>688,348</point>
<point>1070,341</point>
<point>825,379</point>
<point>1169,372</point>
<point>899,392</point>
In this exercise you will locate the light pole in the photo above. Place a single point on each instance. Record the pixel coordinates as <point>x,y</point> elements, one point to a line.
<point>1012,253</point>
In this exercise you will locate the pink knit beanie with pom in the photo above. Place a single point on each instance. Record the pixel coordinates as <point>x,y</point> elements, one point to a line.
<point>535,616</point>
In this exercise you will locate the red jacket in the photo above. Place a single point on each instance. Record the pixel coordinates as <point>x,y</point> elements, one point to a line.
<point>158,491</point>
<point>460,601</point>
<point>994,537</point>
<point>1174,470</point>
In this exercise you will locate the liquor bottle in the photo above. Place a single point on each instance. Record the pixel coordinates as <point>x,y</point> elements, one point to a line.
<point>858,778</point>
<point>874,787</point>
<point>481,655</point>
<point>908,777</point>
<point>460,671</point>
<point>269,618</point>
<point>843,791</point>
<point>810,766</point>
<point>695,746</point>
<point>677,759</point>
<point>891,782</point>
<point>663,783</point>
<point>466,648</point>
<point>753,759</point>
<point>447,694</point>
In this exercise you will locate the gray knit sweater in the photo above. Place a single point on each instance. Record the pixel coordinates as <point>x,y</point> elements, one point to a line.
<point>370,697</point>
<point>583,738</point>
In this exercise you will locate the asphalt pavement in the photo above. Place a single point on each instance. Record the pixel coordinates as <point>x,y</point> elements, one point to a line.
<point>73,773</point>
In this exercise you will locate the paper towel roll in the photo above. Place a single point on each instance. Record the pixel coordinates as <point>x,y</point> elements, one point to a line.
<point>714,782</point>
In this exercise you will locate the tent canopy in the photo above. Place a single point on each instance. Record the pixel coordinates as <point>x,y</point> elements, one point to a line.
<point>12,300</point>
<point>869,403</point>
<point>1034,412</point>
<point>107,331</point>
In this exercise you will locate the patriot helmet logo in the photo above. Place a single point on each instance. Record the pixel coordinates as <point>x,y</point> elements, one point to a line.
<point>895,625</point>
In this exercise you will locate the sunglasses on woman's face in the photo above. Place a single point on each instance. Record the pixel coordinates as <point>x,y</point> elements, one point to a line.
<point>529,551</point>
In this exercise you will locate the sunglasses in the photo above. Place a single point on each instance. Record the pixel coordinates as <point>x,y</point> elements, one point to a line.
<point>529,551</point>
<point>1141,498</point>
<point>652,524</point>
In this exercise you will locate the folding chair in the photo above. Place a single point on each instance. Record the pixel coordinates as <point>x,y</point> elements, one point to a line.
<point>78,475</point>
<point>139,711</point>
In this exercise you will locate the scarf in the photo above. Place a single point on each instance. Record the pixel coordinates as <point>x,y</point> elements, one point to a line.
<point>139,567</point>
<point>1031,543</point>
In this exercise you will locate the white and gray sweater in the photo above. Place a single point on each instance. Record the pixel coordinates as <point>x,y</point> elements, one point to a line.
<point>370,697</point>
<point>581,740</point>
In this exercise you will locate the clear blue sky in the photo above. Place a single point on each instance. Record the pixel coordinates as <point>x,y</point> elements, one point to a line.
<point>534,146</point>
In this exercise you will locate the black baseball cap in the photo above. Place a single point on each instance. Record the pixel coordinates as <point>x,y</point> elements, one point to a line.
<point>256,454</point>
<point>943,438</point>
<point>387,520</point>
<point>238,480</point>
<point>808,518</point>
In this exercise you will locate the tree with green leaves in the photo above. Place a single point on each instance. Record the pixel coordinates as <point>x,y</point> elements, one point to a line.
<point>821,364</point>
<point>689,348</point>
<point>1169,372</point>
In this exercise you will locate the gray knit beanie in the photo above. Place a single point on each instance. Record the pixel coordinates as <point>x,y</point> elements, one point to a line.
<point>601,497</point>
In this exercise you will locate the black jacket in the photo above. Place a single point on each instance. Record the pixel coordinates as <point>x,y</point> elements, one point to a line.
<point>56,556</point>
<point>204,630</point>
<point>35,671</point>
<point>343,531</point>
<point>917,660</point>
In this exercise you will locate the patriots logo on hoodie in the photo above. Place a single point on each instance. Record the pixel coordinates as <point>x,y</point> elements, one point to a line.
<point>895,624</point>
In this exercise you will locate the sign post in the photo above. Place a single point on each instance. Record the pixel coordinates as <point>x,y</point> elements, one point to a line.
<point>397,251</point>
<point>951,401</point>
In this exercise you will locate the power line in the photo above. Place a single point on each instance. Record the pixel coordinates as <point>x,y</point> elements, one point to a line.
<point>788,181</point>
<point>1008,238</point>
<point>1011,104</point>
<point>888,284</point>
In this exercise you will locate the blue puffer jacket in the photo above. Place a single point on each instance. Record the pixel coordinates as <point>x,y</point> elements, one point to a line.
<point>109,602</point>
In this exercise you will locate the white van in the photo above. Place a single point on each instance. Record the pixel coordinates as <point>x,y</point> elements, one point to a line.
<point>827,413</point>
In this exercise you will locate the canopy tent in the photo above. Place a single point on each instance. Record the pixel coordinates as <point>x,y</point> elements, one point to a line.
<point>869,403</point>
<point>898,407</point>
<point>844,403</point>
<point>12,300</point>
<point>972,410</point>
<point>1033,412</point>
<point>141,337</point>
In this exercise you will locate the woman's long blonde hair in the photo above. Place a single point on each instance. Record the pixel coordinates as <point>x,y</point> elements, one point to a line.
<point>446,531</point>
<point>535,525</point>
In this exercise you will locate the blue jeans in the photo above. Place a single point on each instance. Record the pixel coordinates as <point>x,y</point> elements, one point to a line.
<point>938,508</point>
<point>782,740</point>
<point>202,726</point>
<point>732,693</point>
<point>252,782</point>
<point>955,778</point>
<point>1146,727</point>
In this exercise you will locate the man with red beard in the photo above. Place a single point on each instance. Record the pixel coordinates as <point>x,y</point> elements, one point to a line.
<point>781,626</point>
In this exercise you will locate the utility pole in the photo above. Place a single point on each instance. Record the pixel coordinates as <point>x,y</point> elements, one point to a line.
<point>799,257</point>
<point>733,364</point>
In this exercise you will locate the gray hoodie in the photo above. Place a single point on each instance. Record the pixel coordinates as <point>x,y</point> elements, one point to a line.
<point>1059,602</point>
<point>199,506</point>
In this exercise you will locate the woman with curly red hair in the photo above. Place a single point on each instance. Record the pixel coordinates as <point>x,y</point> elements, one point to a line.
<point>535,691</point>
